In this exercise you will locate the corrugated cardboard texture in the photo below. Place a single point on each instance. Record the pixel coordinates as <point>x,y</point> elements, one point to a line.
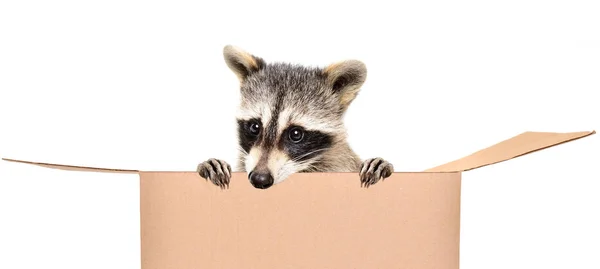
<point>516,146</point>
<point>411,220</point>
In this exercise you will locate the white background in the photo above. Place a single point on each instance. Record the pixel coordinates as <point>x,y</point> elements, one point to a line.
<point>143,85</point>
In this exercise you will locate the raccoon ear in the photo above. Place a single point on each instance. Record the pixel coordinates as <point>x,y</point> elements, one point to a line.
<point>345,78</point>
<point>241,62</point>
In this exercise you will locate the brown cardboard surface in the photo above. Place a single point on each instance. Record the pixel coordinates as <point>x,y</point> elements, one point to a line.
<point>320,220</point>
<point>312,220</point>
<point>516,146</point>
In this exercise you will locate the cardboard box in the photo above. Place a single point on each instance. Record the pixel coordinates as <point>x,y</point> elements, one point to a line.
<point>318,220</point>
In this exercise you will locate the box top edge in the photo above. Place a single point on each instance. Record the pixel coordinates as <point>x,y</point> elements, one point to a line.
<point>130,171</point>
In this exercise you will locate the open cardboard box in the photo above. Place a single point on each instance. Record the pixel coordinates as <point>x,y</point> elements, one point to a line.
<point>316,220</point>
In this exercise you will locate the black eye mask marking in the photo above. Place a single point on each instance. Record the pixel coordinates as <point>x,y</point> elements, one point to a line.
<point>311,144</point>
<point>247,133</point>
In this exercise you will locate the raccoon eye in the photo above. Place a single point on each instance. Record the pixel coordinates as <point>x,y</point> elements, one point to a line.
<point>296,134</point>
<point>254,128</point>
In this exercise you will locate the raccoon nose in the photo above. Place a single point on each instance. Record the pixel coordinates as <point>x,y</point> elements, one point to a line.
<point>261,180</point>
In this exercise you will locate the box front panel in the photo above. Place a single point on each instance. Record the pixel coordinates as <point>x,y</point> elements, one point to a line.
<point>410,220</point>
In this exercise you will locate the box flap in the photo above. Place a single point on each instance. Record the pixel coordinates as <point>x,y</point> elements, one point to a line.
<point>519,145</point>
<point>516,146</point>
<point>73,167</point>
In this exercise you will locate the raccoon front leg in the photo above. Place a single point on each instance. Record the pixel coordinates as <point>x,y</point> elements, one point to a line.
<point>217,171</point>
<point>374,169</point>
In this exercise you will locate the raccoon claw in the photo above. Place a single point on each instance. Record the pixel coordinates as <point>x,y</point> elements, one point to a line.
<point>217,171</point>
<point>374,169</point>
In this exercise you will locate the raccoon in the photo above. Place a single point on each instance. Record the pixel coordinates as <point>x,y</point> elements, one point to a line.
<point>290,120</point>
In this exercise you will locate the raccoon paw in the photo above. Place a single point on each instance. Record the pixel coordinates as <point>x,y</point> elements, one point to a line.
<point>217,171</point>
<point>374,169</point>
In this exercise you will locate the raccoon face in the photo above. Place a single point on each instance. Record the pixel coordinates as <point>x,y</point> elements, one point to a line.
<point>290,116</point>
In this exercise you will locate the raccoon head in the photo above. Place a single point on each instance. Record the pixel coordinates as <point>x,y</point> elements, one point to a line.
<point>290,116</point>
